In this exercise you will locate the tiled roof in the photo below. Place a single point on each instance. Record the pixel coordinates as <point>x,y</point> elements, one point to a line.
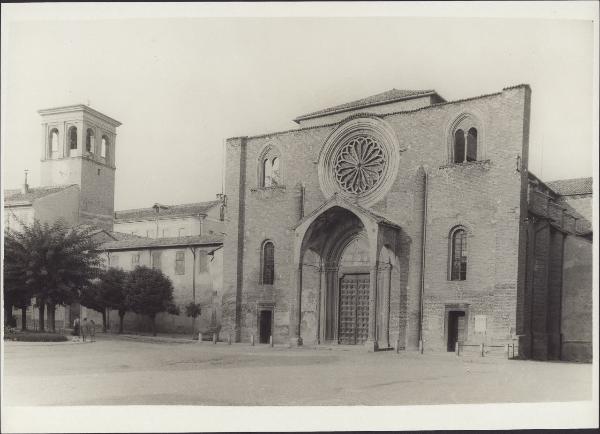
<point>569,187</point>
<point>120,236</point>
<point>143,243</point>
<point>384,97</point>
<point>13,197</point>
<point>187,209</point>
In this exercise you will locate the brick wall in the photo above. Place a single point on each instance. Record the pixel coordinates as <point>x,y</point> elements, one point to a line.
<point>486,197</point>
<point>577,300</point>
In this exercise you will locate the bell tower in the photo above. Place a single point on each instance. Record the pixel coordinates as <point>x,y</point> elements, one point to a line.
<point>79,147</point>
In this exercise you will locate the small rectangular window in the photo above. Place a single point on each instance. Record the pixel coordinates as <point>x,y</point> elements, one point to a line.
<point>156,259</point>
<point>114,261</point>
<point>135,259</point>
<point>202,262</point>
<point>165,233</point>
<point>180,262</point>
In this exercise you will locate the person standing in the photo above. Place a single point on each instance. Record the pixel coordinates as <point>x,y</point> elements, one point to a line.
<point>84,329</point>
<point>76,328</point>
<point>92,331</point>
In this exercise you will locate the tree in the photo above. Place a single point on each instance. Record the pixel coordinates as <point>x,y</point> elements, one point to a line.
<point>56,262</point>
<point>92,297</point>
<point>16,292</point>
<point>148,292</point>
<point>193,310</point>
<point>112,284</point>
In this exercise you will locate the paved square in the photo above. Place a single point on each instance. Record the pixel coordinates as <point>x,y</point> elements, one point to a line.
<point>120,371</point>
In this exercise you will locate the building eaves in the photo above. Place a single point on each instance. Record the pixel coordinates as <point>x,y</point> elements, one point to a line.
<point>20,198</point>
<point>182,210</point>
<point>158,243</point>
<point>79,107</point>
<point>387,97</point>
<point>572,187</point>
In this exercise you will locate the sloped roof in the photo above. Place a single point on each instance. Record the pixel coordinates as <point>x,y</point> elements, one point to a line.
<point>144,243</point>
<point>18,197</point>
<point>187,209</point>
<point>570,187</point>
<point>120,236</point>
<point>380,98</point>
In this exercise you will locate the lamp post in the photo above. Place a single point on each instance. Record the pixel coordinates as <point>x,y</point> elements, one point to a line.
<point>193,249</point>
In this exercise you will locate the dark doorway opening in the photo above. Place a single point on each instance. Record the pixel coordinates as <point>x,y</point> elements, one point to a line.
<point>456,328</point>
<point>265,326</point>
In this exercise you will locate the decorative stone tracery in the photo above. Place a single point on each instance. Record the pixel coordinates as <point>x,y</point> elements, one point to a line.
<point>360,160</point>
<point>359,164</point>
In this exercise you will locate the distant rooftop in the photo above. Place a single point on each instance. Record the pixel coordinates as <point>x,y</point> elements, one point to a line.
<point>389,96</point>
<point>18,197</point>
<point>571,187</point>
<point>79,107</point>
<point>144,243</point>
<point>187,209</point>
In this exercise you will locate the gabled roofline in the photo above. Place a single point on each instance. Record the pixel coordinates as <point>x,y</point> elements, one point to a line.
<point>379,219</point>
<point>381,115</point>
<point>79,107</point>
<point>361,106</point>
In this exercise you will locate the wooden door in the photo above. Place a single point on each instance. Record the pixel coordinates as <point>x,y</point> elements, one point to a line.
<point>354,309</point>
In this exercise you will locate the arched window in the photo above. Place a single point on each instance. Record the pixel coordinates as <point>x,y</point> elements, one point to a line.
<point>459,146</point>
<point>53,145</point>
<point>472,145</point>
<point>458,252</point>
<point>89,141</point>
<point>104,147</point>
<point>465,140</point>
<point>72,138</point>
<point>268,263</point>
<point>267,173</point>
<point>269,167</point>
<point>275,179</point>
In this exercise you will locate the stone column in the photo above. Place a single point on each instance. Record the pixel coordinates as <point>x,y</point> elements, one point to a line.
<point>320,305</point>
<point>297,339</point>
<point>372,340</point>
<point>387,281</point>
<point>466,133</point>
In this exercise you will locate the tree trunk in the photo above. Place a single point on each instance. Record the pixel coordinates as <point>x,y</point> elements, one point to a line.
<point>121,316</point>
<point>51,316</point>
<point>23,318</point>
<point>7,313</point>
<point>152,319</point>
<point>41,310</point>
<point>104,320</point>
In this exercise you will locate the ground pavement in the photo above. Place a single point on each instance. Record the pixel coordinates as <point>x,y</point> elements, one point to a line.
<point>143,370</point>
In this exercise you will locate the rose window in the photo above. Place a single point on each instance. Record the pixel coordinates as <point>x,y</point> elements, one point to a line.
<point>359,165</point>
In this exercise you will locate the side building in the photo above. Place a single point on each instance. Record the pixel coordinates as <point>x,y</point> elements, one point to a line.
<point>193,263</point>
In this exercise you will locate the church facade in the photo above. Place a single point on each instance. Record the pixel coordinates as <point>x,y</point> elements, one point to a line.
<point>395,221</point>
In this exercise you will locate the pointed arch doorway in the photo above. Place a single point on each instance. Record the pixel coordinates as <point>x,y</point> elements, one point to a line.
<point>342,296</point>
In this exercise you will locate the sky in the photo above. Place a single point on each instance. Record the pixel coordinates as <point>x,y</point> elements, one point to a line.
<point>180,86</point>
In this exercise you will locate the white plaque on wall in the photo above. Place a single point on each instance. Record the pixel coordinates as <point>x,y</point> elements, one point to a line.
<point>480,323</point>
